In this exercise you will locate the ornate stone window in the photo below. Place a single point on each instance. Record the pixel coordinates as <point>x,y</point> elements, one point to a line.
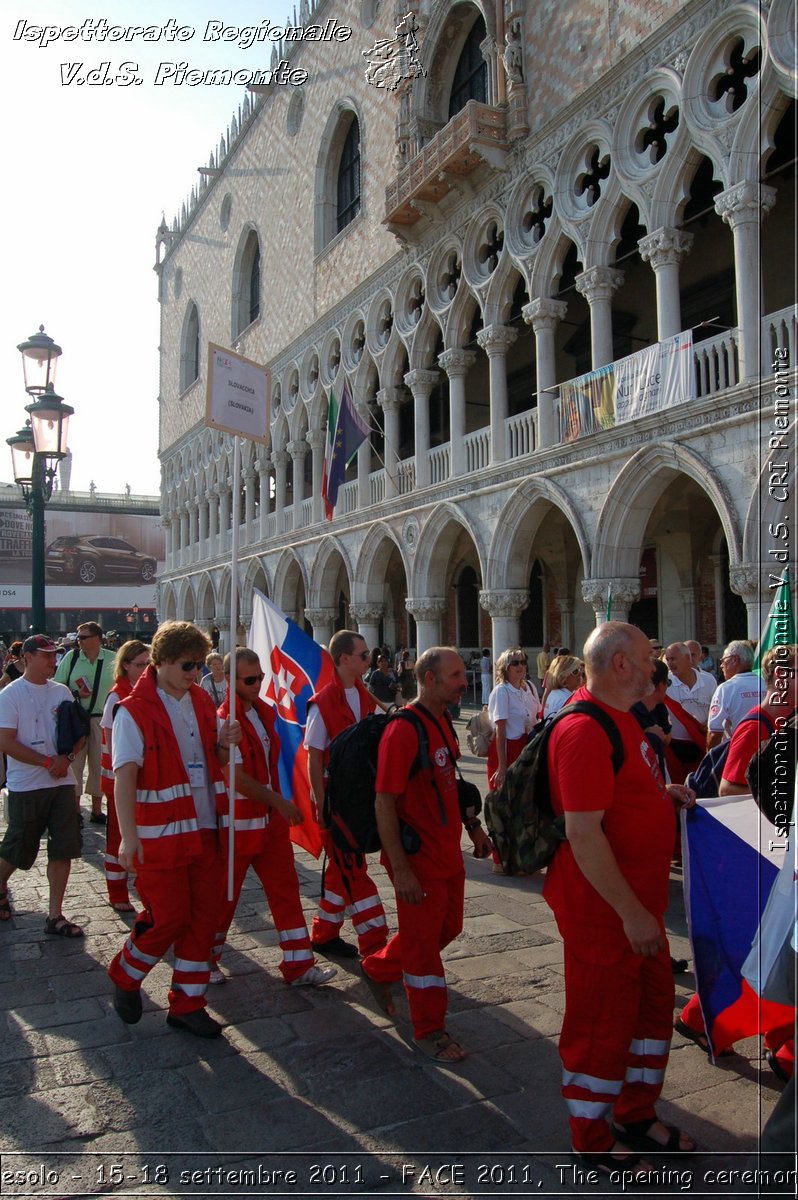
<point>471,73</point>
<point>246,283</point>
<point>730,85</point>
<point>588,183</point>
<point>190,348</point>
<point>338,177</point>
<point>652,140</point>
<point>348,204</point>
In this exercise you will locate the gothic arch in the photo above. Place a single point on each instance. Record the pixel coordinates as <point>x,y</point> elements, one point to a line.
<point>324,574</point>
<point>289,564</point>
<point>246,283</point>
<point>378,546</point>
<point>435,543</point>
<point>344,111</point>
<point>518,524</point>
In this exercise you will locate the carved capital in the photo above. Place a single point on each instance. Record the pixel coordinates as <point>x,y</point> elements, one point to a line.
<point>421,383</point>
<point>222,623</point>
<point>665,246</point>
<point>496,339</point>
<point>298,448</point>
<point>508,603</point>
<point>599,283</point>
<point>745,202</point>
<point>597,591</point>
<point>391,398</point>
<point>457,363</point>
<point>321,616</point>
<point>370,614</point>
<point>316,438</point>
<point>427,608</point>
<point>744,579</point>
<point>544,313</point>
<point>281,458</point>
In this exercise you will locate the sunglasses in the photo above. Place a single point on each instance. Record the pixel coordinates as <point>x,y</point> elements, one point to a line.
<point>364,654</point>
<point>84,637</point>
<point>190,665</point>
<point>248,680</point>
<point>516,662</point>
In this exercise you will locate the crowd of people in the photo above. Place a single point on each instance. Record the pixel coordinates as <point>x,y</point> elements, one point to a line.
<point>158,745</point>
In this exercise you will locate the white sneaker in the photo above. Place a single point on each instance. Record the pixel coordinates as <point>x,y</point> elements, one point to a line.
<point>314,976</point>
<point>217,975</point>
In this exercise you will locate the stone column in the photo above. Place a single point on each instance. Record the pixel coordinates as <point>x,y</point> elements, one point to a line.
<point>368,617</point>
<point>298,450</point>
<point>456,364</point>
<point>224,516</point>
<point>689,616</point>
<point>203,529</point>
<point>389,400</point>
<point>323,622</point>
<point>184,540</point>
<point>624,593</point>
<point>598,285</point>
<point>223,625</point>
<point>744,207</point>
<point>166,526</point>
<point>421,384</point>
<point>717,579</point>
<point>213,521</point>
<point>280,460</point>
<point>505,608</point>
<point>262,466</point>
<point>664,249</point>
<point>427,612</point>
<point>544,314</point>
<point>245,619</point>
<point>566,609</point>
<point>363,473</point>
<point>496,340</point>
<point>193,530</point>
<point>315,439</point>
<point>745,580</point>
<point>249,505</point>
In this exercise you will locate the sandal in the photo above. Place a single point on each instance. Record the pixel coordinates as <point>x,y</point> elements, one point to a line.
<point>435,1045</point>
<point>5,907</point>
<point>123,906</point>
<point>613,1164</point>
<point>381,993</point>
<point>700,1040</point>
<point>635,1135</point>
<point>61,927</point>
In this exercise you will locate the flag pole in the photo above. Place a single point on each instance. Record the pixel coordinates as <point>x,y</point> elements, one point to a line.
<point>609,602</point>
<point>231,832</point>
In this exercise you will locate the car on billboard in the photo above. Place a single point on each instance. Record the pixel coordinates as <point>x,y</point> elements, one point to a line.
<point>89,559</point>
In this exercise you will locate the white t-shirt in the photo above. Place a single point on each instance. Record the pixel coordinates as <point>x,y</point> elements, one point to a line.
<point>519,707</point>
<point>555,700</point>
<point>732,700</point>
<point>316,735</point>
<point>263,737</point>
<point>128,746</point>
<point>29,709</point>
<point>695,700</point>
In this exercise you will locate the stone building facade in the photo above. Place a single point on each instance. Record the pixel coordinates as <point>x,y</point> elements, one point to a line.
<point>541,191</point>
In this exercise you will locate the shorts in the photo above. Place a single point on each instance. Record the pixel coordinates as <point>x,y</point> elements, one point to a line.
<point>30,814</point>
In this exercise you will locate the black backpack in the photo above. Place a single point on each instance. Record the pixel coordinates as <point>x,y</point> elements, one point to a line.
<point>705,779</point>
<point>349,791</point>
<point>519,816</point>
<point>771,773</point>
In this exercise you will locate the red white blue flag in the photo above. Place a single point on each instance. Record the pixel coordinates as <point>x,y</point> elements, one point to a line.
<point>294,668</point>
<point>732,855</point>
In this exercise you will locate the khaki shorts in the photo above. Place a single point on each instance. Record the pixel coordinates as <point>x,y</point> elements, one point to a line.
<point>30,814</point>
<point>92,752</point>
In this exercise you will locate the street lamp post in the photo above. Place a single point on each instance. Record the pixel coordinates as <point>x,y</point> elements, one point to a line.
<point>36,451</point>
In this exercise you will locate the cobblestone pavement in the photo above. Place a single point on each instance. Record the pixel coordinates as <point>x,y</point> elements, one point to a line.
<point>314,1081</point>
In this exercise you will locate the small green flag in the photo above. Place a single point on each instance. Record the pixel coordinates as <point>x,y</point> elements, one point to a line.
<point>779,628</point>
<point>609,602</point>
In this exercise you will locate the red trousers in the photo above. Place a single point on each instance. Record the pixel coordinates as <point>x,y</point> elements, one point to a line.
<point>779,1038</point>
<point>615,1036</point>
<point>274,867</point>
<point>181,909</point>
<point>115,874</point>
<point>349,892</point>
<point>414,953</point>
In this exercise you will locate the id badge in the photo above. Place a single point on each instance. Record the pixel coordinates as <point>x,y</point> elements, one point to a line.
<point>196,775</point>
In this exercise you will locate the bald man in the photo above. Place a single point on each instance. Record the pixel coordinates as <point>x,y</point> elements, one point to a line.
<point>608,888</point>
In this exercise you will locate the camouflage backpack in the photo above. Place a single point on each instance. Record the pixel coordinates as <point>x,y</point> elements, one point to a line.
<point>519,816</point>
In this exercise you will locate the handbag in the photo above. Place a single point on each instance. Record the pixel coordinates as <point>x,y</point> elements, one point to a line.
<point>72,722</point>
<point>479,733</point>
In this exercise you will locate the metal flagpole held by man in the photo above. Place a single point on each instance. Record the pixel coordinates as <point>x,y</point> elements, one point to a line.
<point>236,403</point>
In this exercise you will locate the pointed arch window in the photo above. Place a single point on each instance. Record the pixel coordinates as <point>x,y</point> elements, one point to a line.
<point>190,348</point>
<point>254,285</point>
<point>471,74</point>
<point>246,283</point>
<point>348,197</point>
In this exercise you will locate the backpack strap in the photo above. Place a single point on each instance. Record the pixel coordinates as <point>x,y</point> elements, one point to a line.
<point>590,709</point>
<point>422,761</point>
<point>74,655</point>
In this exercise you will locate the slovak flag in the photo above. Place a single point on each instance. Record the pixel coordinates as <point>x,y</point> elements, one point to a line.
<point>732,855</point>
<point>294,668</point>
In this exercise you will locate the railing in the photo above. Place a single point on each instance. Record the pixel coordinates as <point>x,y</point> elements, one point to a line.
<point>347,497</point>
<point>717,364</point>
<point>377,487</point>
<point>440,463</point>
<point>288,519</point>
<point>780,332</point>
<point>477,448</point>
<point>306,517</point>
<point>271,525</point>
<point>521,434</point>
<point>406,475</point>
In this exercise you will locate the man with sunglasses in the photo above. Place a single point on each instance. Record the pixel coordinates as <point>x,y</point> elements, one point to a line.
<point>262,819</point>
<point>168,784</point>
<point>88,672</point>
<point>340,704</point>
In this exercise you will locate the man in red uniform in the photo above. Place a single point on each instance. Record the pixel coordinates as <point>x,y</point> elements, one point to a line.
<point>262,820</point>
<point>168,780</point>
<point>341,703</point>
<point>429,881</point>
<point>608,888</point>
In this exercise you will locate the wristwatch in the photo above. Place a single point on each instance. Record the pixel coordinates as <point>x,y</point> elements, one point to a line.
<point>71,757</point>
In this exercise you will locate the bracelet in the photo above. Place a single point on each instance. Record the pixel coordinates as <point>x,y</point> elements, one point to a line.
<point>472,824</point>
<point>48,762</point>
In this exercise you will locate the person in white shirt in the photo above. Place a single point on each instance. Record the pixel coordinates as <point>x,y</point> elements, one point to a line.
<point>737,695</point>
<point>513,708</point>
<point>485,674</point>
<point>564,676</point>
<point>41,786</point>
<point>691,688</point>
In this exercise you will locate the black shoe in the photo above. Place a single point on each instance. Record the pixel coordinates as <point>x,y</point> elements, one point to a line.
<point>336,948</point>
<point>679,965</point>
<point>98,819</point>
<point>197,1022</point>
<point>128,1005</point>
<point>776,1066</point>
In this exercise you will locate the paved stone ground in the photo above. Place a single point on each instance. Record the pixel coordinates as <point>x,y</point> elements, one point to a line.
<point>313,1080</point>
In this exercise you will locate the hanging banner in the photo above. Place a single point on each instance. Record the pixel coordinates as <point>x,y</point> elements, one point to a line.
<point>237,397</point>
<point>651,380</point>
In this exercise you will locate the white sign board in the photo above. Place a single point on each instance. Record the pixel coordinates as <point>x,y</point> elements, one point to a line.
<point>237,400</point>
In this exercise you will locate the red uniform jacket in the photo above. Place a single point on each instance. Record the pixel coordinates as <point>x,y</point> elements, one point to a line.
<point>251,818</point>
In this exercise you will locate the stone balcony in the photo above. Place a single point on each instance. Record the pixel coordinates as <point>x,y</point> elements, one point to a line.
<point>475,136</point>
